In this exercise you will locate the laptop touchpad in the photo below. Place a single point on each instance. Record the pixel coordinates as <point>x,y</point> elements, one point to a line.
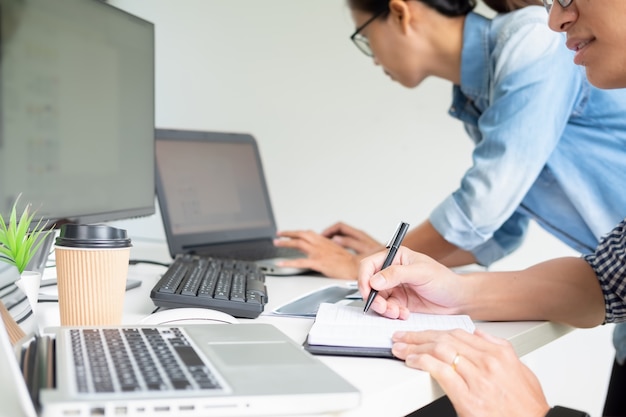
<point>246,354</point>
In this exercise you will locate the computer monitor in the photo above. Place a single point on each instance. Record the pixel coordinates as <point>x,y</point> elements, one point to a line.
<point>76,110</point>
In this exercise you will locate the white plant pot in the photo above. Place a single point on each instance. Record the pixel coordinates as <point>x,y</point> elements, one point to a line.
<point>30,282</point>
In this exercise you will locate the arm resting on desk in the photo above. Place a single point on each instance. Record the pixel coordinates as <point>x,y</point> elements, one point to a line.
<point>564,290</point>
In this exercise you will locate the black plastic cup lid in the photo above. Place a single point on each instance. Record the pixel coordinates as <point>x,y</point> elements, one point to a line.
<point>92,236</point>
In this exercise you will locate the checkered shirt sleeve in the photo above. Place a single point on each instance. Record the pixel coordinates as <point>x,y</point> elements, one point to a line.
<point>609,263</point>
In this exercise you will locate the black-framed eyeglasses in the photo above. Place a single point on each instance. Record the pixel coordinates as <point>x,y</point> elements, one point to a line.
<point>361,41</point>
<point>563,3</point>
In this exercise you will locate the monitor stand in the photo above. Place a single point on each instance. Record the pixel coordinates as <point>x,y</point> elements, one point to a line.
<point>39,261</point>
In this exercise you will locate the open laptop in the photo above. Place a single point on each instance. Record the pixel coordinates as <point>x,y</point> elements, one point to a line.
<point>214,199</point>
<point>196,370</point>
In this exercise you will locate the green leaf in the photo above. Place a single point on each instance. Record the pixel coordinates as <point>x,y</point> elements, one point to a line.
<point>11,239</point>
<point>19,243</point>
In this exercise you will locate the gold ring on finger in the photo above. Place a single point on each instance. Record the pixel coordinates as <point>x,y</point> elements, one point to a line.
<point>455,361</point>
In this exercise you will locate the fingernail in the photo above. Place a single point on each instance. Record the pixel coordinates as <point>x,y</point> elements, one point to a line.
<point>411,359</point>
<point>399,347</point>
<point>378,280</point>
<point>398,335</point>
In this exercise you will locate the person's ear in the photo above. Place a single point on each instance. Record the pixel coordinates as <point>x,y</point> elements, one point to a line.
<point>400,13</point>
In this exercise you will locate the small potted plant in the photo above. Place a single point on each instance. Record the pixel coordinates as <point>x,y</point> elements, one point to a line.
<point>19,243</point>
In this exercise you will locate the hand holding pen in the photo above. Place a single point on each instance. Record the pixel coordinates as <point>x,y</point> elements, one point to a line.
<point>393,245</point>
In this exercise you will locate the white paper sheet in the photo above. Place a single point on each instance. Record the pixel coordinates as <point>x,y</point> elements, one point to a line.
<point>341,325</point>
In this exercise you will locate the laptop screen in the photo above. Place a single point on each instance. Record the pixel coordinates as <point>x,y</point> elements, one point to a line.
<point>211,188</point>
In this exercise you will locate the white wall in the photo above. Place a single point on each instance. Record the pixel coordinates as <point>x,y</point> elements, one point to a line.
<point>339,140</point>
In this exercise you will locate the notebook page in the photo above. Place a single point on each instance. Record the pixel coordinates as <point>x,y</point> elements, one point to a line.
<point>342,325</point>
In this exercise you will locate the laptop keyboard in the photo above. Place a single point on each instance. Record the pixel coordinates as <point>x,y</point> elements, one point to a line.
<point>250,251</point>
<point>233,286</point>
<point>137,359</point>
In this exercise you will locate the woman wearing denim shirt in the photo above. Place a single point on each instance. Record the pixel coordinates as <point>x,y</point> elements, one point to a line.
<point>542,151</point>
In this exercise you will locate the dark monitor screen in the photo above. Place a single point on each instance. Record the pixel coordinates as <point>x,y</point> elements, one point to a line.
<point>77,110</point>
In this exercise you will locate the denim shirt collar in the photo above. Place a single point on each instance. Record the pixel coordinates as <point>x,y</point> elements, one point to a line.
<point>471,96</point>
<point>475,69</point>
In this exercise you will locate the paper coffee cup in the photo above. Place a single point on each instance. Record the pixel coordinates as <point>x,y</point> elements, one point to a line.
<point>92,267</point>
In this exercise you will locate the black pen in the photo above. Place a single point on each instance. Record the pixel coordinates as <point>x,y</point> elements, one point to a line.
<point>394,245</point>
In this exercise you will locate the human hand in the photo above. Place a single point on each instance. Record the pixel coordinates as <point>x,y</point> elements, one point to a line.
<point>323,255</point>
<point>412,283</point>
<point>481,374</point>
<point>354,239</point>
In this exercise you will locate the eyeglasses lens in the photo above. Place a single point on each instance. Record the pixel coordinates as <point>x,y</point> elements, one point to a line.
<point>363,44</point>
<point>548,4</point>
<point>564,4</point>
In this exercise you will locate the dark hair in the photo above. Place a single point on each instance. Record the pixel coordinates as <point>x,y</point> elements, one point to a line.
<point>450,8</point>
<point>505,6</point>
<point>446,7</point>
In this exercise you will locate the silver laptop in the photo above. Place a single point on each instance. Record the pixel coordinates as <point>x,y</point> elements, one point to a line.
<point>194,370</point>
<point>214,199</point>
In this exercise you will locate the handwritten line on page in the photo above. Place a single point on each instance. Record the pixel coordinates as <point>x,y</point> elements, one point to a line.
<point>343,325</point>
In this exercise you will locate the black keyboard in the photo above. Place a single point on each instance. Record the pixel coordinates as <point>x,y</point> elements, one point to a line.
<point>233,286</point>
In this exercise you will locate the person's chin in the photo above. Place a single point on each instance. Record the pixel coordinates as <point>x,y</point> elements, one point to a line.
<point>402,82</point>
<point>602,74</point>
<point>605,81</point>
<point>408,83</point>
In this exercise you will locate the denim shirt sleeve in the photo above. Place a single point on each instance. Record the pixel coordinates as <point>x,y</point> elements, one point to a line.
<point>521,109</point>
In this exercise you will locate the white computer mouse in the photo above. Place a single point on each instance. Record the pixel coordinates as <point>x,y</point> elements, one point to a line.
<point>188,315</point>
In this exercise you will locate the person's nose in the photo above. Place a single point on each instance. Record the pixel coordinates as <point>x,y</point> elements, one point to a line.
<point>560,19</point>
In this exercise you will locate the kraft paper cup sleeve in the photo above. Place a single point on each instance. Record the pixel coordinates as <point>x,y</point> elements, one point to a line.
<point>92,285</point>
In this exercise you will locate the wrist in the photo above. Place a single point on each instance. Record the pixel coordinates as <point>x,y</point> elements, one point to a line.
<point>558,411</point>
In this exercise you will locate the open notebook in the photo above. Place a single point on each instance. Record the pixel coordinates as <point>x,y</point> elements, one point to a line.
<point>193,370</point>
<point>345,330</point>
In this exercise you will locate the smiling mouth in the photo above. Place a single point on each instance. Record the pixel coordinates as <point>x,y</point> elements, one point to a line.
<point>579,48</point>
<point>577,45</point>
<point>581,45</point>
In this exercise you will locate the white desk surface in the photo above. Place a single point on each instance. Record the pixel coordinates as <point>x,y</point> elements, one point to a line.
<point>387,386</point>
